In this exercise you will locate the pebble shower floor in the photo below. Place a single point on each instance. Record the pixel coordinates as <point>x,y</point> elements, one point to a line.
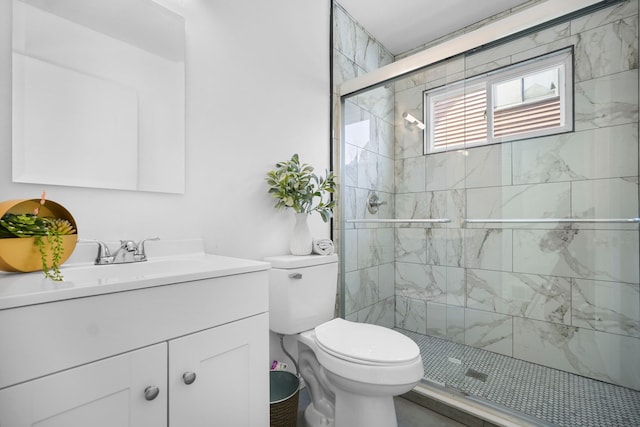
<point>552,396</point>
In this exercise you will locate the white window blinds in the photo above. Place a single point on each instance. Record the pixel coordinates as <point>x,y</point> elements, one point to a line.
<point>460,119</point>
<point>524,118</point>
<point>520,101</point>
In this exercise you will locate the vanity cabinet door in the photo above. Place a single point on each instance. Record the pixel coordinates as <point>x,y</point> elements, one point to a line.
<point>220,376</point>
<point>106,393</point>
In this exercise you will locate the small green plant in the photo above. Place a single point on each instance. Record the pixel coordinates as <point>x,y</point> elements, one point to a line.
<point>43,229</point>
<point>294,185</point>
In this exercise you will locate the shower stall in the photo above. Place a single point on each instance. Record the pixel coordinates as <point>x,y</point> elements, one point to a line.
<point>513,264</point>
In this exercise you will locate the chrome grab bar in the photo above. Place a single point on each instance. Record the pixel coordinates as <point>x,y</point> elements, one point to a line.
<point>400,221</point>
<point>553,220</point>
<point>497,221</point>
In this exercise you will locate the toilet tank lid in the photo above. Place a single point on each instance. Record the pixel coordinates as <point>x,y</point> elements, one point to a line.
<point>299,261</point>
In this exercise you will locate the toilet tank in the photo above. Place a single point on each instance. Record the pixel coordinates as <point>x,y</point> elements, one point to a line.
<point>302,292</point>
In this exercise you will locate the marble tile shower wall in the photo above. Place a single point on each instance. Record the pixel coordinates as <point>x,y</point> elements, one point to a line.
<point>563,296</point>
<point>368,165</point>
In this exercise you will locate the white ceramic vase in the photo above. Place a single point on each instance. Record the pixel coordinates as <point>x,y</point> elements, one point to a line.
<point>301,242</point>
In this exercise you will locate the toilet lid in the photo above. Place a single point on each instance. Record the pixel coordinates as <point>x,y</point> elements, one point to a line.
<point>365,342</point>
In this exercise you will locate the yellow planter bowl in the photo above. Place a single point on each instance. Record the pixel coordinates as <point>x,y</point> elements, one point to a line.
<point>21,254</point>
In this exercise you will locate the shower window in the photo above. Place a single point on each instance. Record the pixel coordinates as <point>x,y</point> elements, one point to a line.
<point>521,101</point>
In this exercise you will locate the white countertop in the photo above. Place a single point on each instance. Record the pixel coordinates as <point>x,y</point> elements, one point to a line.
<point>84,279</point>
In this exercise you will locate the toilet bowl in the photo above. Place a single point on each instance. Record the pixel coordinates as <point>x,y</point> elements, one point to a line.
<point>352,370</point>
<point>362,367</point>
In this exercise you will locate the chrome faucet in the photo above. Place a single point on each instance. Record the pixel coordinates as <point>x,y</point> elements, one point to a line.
<point>129,251</point>
<point>126,252</point>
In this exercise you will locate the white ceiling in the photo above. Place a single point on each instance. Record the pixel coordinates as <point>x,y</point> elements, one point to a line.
<point>401,25</point>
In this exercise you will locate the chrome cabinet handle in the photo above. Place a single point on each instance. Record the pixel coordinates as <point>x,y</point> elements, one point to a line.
<point>189,377</point>
<point>295,276</point>
<point>151,392</point>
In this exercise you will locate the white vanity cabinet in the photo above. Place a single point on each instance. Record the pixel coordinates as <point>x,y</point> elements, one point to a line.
<point>106,393</point>
<point>223,365</point>
<point>182,354</point>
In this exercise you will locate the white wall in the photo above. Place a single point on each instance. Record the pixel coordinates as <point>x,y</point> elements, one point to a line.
<point>257,91</point>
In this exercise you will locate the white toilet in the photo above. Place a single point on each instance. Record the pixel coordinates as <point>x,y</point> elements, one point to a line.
<point>352,370</point>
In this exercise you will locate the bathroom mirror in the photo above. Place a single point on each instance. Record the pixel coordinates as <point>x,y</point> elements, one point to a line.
<point>98,94</point>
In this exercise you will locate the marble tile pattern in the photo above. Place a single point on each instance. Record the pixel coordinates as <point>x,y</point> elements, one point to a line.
<point>559,295</point>
<point>367,164</point>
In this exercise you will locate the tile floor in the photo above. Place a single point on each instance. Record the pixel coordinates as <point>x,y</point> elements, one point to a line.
<point>409,414</point>
<point>551,396</point>
<point>412,415</point>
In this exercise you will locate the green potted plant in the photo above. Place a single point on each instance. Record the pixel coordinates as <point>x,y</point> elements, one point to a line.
<point>295,186</point>
<point>35,234</point>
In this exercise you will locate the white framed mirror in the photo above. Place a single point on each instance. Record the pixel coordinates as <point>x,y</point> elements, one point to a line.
<point>98,94</point>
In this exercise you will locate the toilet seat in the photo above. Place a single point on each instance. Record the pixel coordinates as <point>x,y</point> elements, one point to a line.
<point>365,344</point>
<point>384,367</point>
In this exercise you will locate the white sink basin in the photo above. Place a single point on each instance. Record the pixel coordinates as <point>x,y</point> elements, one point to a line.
<point>154,268</point>
<point>19,289</point>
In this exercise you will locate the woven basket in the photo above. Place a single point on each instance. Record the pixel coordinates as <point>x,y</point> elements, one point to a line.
<point>284,409</point>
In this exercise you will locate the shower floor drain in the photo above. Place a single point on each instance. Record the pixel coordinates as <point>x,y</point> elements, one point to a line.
<point>476,374</point>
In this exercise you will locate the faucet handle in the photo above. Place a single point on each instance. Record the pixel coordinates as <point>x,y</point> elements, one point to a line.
<point>140,251</point>
<point>104,255</point>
